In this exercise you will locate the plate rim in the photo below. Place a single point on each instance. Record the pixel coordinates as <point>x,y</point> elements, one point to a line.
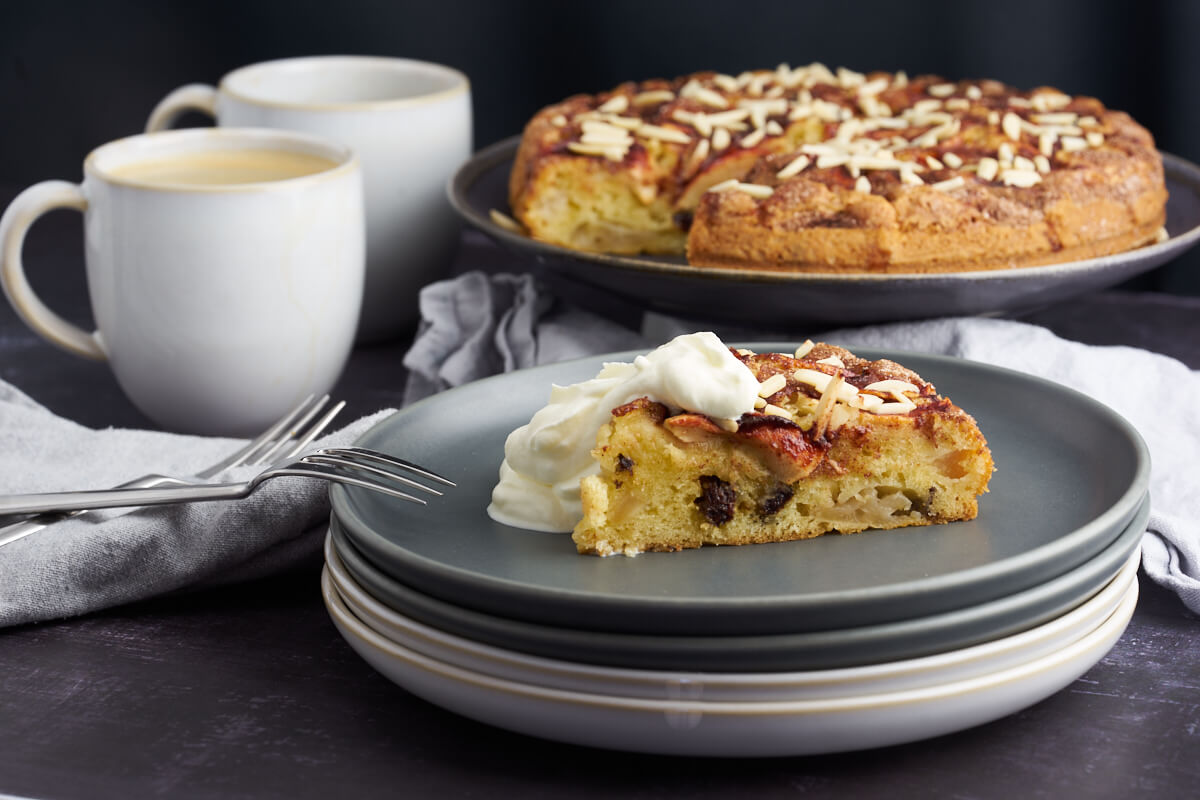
<point>1128,553</point>
<point>1119,616</point>
<point>1120,512</point>
<point>468,173</point>
<point>750,729</point>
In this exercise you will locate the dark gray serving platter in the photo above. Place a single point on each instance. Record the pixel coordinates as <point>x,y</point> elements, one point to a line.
<point>771,298</point>
<point>1070,475</point>
<point>847,647</point>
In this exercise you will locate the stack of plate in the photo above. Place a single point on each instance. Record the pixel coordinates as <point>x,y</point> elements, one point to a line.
<point>831,644</point>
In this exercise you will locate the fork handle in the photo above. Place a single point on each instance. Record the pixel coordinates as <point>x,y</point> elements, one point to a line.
<point>118,498</point>
<point>19,530</point>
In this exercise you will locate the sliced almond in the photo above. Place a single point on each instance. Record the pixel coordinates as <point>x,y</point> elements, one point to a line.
<point>653,97</point>
<point>988,168</point>
<point>825,406</point>
<point>866,402</point>
<point>615,105</point>
<point>949,185</point>
<point>794,167</point>
<point>663,133</point>
<point>820,381</point>
<point>896,388</point>
<point>1011,125</point>
<point>613,152</point>
<point>1021,178</point>
<point>895,408</point>
<point>772,385</point>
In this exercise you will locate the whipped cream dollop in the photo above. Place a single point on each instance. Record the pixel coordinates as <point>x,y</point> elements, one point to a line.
<point>545,459</point>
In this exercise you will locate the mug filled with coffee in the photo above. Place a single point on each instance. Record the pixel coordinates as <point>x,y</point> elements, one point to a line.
<point>410,124</point>
<point>224,267</point>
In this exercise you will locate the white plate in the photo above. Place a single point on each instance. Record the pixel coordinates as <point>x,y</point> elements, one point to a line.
<point>956,665</point>
<point>698,728</point>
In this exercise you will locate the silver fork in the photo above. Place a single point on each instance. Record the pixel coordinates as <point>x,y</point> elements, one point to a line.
<point>355,466</point>
<point>283,440</point>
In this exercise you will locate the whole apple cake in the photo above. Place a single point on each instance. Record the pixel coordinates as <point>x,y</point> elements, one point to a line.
<point>809,169</point>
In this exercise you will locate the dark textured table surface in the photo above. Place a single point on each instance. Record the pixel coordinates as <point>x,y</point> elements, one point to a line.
<point>250,692</point>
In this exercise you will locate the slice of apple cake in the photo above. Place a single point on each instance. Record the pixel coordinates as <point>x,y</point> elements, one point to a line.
<point>837,443</point>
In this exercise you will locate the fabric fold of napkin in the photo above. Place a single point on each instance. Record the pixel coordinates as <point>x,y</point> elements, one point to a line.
<point>109,558</point>
<point>478,325</point>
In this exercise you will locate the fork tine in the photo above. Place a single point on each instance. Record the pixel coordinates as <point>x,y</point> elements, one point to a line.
<point>303,411</point>
<point>335,473</point>
<point>288,447</point>
<point>305,439</point>
<point>269,450</point>
<point>333,458</point>
<point>384,458</point>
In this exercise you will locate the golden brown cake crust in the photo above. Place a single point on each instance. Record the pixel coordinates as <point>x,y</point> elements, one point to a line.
<point>808,170</point>
<point>818,457</point>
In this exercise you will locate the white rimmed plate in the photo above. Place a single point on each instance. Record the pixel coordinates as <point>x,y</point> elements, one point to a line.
<point>697,728</point>
<point>806,650</point>
<point>955,665</point>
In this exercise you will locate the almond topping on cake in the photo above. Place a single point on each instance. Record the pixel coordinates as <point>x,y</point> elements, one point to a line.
<point>854,172</point>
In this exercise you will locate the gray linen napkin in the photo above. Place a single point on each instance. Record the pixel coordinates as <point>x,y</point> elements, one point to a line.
<point>513,323</point>
<point>106,559</point>
<point>478,325</point>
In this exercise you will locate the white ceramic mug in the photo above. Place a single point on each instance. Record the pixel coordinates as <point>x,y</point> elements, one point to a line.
<point>224,267</point>
<point>410,124</point>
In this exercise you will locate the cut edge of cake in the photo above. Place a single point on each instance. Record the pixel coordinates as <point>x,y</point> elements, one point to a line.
<point>840,444</point>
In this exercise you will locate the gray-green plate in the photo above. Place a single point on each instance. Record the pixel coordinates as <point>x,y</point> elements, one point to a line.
<point>773,298</point>
<point>1070,475</point>
<point>848,647</point>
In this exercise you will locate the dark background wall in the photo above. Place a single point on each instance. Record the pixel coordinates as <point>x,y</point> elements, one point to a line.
<point>76,74</point>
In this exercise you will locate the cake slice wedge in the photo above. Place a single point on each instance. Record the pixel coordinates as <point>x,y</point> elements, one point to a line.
<point>840,444</point>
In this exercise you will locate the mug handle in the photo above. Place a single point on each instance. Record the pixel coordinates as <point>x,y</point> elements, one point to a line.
<point>193,97</point>
<point>16,222</point>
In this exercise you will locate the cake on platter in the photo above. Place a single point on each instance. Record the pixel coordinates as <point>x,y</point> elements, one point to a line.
<point>811,169</point>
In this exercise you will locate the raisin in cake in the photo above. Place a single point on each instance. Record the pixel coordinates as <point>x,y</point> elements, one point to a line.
<point>840,444</point>
<point>810,170</point>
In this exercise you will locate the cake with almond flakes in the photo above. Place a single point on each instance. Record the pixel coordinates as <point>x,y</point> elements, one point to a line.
<point>812,170</point>
<point>838,443</point>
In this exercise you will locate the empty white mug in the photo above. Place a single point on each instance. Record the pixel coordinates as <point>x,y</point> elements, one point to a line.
<point>410,124</point>
<point>224,267</point>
